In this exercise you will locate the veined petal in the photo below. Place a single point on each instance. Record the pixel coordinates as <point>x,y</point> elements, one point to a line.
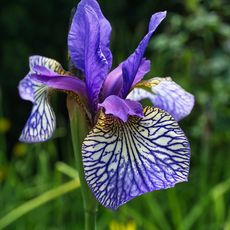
<point>48,63</point>
<point>131,65</point>
<point>123,160</point>
<point>38,65</point>
<point>78,34</point>
<point>121,108</point>
<point>114,80</point>
<point>41,123</point>
<point>165,94</point>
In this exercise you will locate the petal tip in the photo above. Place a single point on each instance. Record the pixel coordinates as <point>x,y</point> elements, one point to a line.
<point>32,140</point>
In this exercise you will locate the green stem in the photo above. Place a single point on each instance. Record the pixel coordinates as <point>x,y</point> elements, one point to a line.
<point>79,129</point>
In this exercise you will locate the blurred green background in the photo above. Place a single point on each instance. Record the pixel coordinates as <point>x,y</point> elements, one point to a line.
<point>192,46</point>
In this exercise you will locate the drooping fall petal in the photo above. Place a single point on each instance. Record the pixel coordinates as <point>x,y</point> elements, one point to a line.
<point>165,94</point>
<point>44,74</point>
<point>41,123</point>
<point>38,63</point>
<point>25,89</point>
<point>123,160</point>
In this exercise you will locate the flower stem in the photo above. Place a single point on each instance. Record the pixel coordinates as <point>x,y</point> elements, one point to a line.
<point>79,129</point>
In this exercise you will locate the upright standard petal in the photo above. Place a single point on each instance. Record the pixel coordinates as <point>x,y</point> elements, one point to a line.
<point>105,31</point>
<point>90,57</point>
<point>96,66</point>
<point>121,108</point>
<point>123,160</point>
<point>78,33</point>
<point>143,69</point>
<point>131,65</point>
<point>114,80</point>
<point>165,94</point>
<point>113,83</point>
<point>41,123</point>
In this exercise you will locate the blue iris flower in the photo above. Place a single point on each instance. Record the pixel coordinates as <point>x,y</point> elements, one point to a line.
<point>130,150</point>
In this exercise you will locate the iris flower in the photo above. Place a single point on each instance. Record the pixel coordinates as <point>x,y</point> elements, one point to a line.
<point>130,149</point>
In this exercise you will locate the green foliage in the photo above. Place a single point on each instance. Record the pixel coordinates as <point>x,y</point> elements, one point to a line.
<point>192,46</point>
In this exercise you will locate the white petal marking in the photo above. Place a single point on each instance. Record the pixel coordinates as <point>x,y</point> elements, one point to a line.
<point>126,159</point>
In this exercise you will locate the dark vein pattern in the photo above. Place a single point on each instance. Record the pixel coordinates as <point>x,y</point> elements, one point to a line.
<point>166,95</point>
<point>123,160</point>
<point>41,123</point>
<point>49,63</point>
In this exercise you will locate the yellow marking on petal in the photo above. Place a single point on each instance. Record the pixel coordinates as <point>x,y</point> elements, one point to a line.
<point>49,63</point>
<point>123,160</point>
<point>152,82</point>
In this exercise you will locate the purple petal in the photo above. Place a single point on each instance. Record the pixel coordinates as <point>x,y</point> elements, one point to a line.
<point>121,108</point>
<point>62,83</point>
<point>114,80</point>
<point>95,64</point>
<point>143,69</point>
<point>42,70</point>
<point>113,83</point>
<point>25,89</point>
<point>41,123</point>
<point>78,34</point>
<point>39,65</point>
<point>123,160</point>
<point>44,62</point>
<point>167,95</point>
<point>131,65</point>
<point>56,81</point>
<point>105,31</point>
